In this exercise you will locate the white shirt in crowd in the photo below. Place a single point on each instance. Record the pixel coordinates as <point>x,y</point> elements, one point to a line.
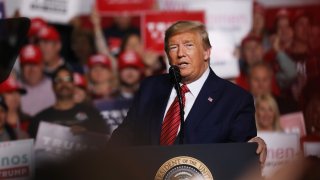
<point>38,97</point>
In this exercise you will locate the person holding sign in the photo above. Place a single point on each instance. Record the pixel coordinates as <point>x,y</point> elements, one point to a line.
<point>79,116</point>
<point>216,111</point>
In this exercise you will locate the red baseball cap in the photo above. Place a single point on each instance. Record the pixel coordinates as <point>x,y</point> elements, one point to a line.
<point>11,85</point>
<point>49,33</point>
<point>30,54</point>
<point>79,80</point>
<point>129,59</point>
<point>283,13</point>
<point>99,59</point>
<point>299,14</point>
<point>36,25</point>
<point>250,38</point>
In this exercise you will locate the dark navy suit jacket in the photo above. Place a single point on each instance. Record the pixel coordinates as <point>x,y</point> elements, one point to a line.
<point>228,117</point>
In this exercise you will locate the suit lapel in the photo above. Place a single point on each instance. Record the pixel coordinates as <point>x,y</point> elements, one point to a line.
<point>162,91</point>
<point>205,101</point>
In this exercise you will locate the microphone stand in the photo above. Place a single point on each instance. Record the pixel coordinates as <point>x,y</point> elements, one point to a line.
<point>181,134</point>
<point>175,74</point>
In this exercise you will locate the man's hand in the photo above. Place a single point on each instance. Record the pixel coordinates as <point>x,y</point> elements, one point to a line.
<point>262,148</point>
<point>95,17</point>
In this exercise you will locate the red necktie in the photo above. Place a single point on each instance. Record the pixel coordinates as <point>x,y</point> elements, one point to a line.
<point>171,121</point>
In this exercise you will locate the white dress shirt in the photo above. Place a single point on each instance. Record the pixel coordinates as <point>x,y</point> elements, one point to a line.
<point>191,96</point>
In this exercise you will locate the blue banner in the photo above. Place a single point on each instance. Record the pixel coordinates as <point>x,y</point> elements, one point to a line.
<point>113,111</point>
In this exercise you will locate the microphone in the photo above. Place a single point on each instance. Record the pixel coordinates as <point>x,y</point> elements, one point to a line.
<point>175,76</point>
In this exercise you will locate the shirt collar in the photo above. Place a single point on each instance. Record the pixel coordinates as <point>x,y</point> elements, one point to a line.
<point>196,86</point>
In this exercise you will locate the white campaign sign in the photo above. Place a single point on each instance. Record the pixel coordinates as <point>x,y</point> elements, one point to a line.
<point>54,142</point>
<point>11,6</point>
<point>16,159</point>
<point>228,22</point>
<point>281,148</point>
<point>311,149</point>
<point>57,11</point>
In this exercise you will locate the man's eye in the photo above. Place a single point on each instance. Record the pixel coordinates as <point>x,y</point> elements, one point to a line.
<point>189,44</point>
<point>173,47</point>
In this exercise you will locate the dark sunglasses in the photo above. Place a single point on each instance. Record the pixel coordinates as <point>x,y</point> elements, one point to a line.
<point>63,79</point>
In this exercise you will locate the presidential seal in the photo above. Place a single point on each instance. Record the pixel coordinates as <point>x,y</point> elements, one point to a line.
<point>183,167</point>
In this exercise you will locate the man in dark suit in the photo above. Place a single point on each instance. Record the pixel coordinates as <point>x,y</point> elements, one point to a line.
<point>216,111</point>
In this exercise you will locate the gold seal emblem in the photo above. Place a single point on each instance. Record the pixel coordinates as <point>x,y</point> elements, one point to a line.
<point>183,167</point>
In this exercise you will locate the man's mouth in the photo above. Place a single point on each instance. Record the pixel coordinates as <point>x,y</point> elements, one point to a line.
<point>182,65</point>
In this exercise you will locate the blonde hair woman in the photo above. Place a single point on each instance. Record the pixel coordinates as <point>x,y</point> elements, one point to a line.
<point>267,113</point>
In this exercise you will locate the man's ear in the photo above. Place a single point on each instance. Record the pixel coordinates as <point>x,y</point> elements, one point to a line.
<point>206,54</point>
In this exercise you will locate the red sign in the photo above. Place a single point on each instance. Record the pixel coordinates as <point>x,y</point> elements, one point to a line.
<point>154,25</point>
<point>293,123</point>
<point>106,6</point>
<point>16,172</point>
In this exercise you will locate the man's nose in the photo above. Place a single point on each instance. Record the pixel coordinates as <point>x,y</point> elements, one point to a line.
<point>181,51</point>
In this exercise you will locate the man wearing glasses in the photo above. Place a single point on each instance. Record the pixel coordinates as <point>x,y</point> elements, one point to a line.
<point>80,117</point>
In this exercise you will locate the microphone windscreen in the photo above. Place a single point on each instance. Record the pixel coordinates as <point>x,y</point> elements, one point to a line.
<point>174,72</point>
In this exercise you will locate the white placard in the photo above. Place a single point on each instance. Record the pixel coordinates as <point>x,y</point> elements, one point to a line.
<point>11,7</point>
<point>54,142</point>
<point>56,11</point>
<point>281,149</point>
<point>16,159</point>
<point>311,149</point>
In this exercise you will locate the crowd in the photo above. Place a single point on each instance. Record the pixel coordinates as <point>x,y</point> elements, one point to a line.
<point>280,67</point>
<point>86,78</point>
